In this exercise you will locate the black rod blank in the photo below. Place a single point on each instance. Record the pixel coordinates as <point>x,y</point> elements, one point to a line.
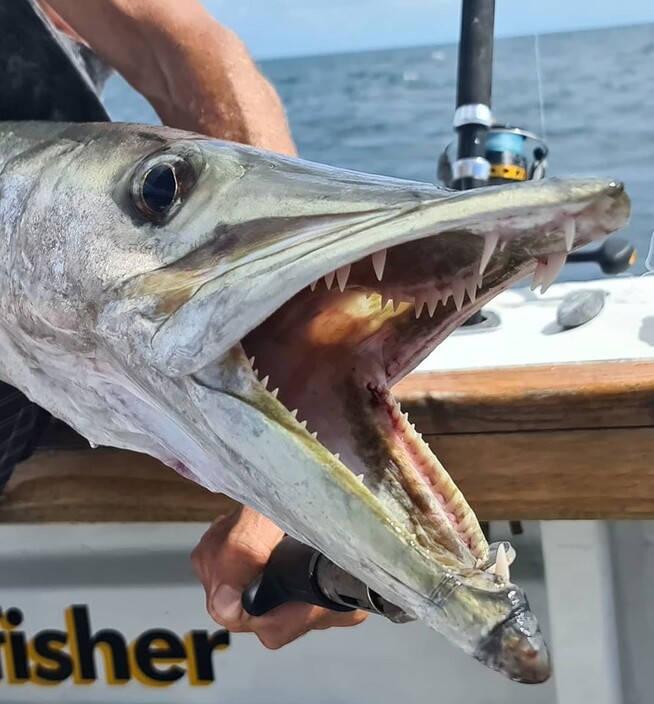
<point>475,82</point>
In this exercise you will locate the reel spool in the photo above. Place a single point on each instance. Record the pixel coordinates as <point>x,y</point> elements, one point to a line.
<point>513,154</point>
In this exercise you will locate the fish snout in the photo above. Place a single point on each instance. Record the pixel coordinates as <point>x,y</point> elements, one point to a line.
<point>517,649</point>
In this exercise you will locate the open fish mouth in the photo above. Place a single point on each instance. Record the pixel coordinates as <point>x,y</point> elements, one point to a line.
<point>328,357</point>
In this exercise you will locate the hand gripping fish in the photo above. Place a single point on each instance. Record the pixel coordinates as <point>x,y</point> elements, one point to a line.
<point>242,317</point>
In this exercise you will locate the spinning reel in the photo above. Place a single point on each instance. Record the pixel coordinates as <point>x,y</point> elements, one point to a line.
<point>513,154</point>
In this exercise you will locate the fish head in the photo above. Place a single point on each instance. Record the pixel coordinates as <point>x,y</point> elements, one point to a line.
<point>243,316</point>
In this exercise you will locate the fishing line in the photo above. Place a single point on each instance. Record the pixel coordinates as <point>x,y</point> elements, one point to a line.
<point>539,80</point>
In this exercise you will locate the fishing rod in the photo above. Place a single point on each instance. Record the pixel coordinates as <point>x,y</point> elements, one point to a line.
<point>473,115</point>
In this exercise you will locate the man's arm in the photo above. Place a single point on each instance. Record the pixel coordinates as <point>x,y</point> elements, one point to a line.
<point>196,73</point>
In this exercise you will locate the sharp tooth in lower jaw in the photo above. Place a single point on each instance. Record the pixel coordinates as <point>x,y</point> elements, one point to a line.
<point>294,413</point>
<point>314,435</point>
<point>569,231</point>
<point>251,361</point>
<point>342,275</point>
<point>329,279</point>
<point>337,455</point>
<point>490,242</point>
<point>502,564</point>
<point>303,424</point>
<point>555,262</point>
<point>274,392</point>
<point>264,382</point>
<point>385,301</point>
<point>459,292</point>
<point>360,477</point>
<point>378,263</point>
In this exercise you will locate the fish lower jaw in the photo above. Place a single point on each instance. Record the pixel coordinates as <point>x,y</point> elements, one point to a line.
<point>410,471</point>
<point>425,479</point>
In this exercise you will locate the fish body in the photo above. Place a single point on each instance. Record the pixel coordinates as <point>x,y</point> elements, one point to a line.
<point>214,306</point>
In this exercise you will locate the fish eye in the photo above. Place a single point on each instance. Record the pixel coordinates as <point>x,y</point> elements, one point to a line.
<point>159,185</point>
<point>159,189</point>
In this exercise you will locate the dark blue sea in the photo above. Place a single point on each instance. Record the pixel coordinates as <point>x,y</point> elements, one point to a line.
<point>390,112</point>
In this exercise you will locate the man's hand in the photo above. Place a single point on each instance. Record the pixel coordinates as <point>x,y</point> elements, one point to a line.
<point>230,555</point>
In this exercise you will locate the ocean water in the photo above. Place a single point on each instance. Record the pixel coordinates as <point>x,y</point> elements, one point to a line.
<point>390,112</point>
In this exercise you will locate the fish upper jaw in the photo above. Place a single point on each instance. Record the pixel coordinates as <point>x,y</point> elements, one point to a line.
<point>502,227</point>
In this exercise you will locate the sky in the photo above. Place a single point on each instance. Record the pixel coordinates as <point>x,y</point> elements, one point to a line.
<point>278,28</point>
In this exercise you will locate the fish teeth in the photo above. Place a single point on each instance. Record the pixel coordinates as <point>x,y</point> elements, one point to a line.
<point>313,285</point>
<point>385,300</point>
<point>538,275</point>
<point>502,564</point>
<point>471,288</point>
<point>569,231</point>
<point>446,292</point>
<point>490,242</point>
<point>360,477</point>
<point>251,361</point>
<point>342,275</point>
<point>378,263</point>
<point>503,244</point>
<point>294,413</point>
<point>329,279</point>
<point>274,392</point>
<point>264,382</point>
<point>303,424</point>
<point>337,455</point>
<point>419,304</point>
<point>314,435</point>
<point>459,292</point>
<point>432,302</point>
<point>555,262</point>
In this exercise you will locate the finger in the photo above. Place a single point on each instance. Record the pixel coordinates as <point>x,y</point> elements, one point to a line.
<point>331,619</point>
<point>230,555</point>
<point>292,621</point>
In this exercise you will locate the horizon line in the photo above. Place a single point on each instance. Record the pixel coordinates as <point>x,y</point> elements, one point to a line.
<point>349,52</point>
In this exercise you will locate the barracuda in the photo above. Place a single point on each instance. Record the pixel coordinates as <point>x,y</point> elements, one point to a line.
<point>242,317</point>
